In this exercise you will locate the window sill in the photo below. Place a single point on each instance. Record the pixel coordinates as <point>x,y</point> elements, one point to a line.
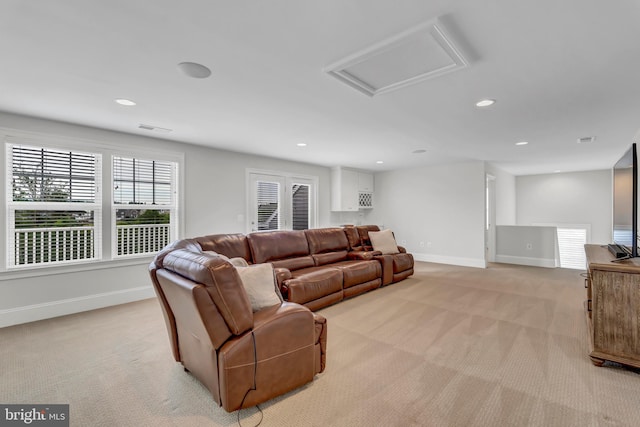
<point>24,273</point>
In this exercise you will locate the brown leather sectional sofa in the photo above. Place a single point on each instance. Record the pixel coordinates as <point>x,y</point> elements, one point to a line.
<point>245,357</point>
<point>317,267</point>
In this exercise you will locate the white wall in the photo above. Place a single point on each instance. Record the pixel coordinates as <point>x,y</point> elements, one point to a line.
<point>567,198</point>
<point>215,196</point>
<point>527,245</point>
<point>441,206</point>
<point>505,195</point>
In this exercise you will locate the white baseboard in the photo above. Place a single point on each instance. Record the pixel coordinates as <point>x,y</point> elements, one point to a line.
<point>534,262</point>
<point>464,262</point>
<point>31,313</point>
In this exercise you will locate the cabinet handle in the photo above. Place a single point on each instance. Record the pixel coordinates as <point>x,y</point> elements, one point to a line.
<point>588,305</point>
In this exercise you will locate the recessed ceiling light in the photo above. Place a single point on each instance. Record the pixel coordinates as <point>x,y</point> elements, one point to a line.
<point>379,162</point>
<point>419,151</point>
<point>301,144</point>
<point>522,143</point>
<point>127,102</point>
<point>485,102</point>
<point>195,70</point>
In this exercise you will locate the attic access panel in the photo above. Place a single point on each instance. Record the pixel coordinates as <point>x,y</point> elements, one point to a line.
<point>417,54</point>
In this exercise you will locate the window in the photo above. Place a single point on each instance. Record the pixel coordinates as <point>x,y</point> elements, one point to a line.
<point>281,202</point>
<point>300,194</point>
<point>54,213</point>
<point>58,209</point>
<point>144,206</point>
<point>571,241</point>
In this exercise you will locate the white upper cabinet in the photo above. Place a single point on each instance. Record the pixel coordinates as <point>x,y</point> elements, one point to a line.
<point>350,190</point>
<point>344,189</point>
<point>365,182</point>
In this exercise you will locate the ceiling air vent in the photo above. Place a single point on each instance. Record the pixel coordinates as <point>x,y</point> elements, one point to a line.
<point>586,139</point>
<point>154,128</point>
<point>417,54</point>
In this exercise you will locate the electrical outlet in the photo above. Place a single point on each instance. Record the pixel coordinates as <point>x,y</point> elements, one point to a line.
<point>422,244</point>
<point>529,246</point>
<point>403,242</point>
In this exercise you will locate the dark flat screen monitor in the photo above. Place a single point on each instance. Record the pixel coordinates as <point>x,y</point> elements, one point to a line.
<point>625,202</point>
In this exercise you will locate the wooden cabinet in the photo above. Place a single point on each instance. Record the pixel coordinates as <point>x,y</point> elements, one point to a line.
<point>612,307</point>
<point>351,190</point>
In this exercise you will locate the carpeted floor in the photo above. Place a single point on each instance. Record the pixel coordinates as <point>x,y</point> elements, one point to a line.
<point>451,346</point>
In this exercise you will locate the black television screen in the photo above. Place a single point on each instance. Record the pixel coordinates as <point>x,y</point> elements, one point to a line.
<point>625,201</point>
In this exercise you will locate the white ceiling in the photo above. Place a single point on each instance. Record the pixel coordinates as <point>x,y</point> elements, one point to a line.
<point>559,70</point>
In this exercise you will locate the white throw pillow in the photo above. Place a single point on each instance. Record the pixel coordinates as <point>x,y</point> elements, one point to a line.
<point>260,283</point>
<point>383,241</point>
<point>236,262</point>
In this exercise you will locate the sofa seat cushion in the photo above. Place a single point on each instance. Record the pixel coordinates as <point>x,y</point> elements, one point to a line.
<point>295,263</point>
<point>312,283</point>
<point>357,272</point>
<point>402,262</point>
<point>329,257</point>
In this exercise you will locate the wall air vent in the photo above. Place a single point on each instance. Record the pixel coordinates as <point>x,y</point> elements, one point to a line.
<point>417,54</point>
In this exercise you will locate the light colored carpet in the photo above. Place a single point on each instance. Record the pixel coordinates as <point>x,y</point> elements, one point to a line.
<point>450,346</point>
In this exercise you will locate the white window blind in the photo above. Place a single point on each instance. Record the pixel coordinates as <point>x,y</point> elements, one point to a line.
<point>144,205</point>
<point>571,243</point>
<point>300,202</point>
<point>53,207</point>
<point>268,197</point>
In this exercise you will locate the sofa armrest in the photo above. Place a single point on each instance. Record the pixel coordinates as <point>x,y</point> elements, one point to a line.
<point>402,250</point>
<point>282,274</point>
<point>282,358</point>
<point>363,255</point>
<point>321,342</point>
<point>386,262</point>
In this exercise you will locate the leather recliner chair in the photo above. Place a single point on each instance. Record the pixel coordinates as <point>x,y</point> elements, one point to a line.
<point>395,267</point>
<point>242,357</point>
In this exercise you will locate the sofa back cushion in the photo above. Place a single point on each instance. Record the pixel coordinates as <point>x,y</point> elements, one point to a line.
<point>352,236</point>
<point>287,249</point>
<point>229,245</point>
<point>222,283</point>
<point>363,232</point>
<point>327,245</point>
<point>322,240</point>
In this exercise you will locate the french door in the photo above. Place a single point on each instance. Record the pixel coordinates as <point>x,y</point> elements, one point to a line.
<point>281,202</point>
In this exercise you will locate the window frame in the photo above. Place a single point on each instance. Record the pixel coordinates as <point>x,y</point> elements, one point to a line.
<point>106,151</point>
<point>172,207</point>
